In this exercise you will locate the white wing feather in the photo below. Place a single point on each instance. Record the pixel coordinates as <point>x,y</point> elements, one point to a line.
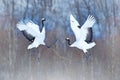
<point>81,33</point>
<point>89,22</point>
<point>21,26</point>
<point>29,27</point>
<point>74,27</point>
<point>33,27</point>
<point>84,29</point>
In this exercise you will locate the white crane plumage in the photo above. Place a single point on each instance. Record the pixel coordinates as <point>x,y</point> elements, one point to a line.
<point>81,33</point>
<point>33,30</point>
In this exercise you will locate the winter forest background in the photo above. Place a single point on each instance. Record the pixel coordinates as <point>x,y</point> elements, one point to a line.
<point>59,62</point>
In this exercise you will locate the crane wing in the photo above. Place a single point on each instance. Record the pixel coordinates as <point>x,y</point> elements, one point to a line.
<point>21,26</point>
<point>89,22</point>
<point>74,27</point>
<point>33,26</point>
<point>84,29</point>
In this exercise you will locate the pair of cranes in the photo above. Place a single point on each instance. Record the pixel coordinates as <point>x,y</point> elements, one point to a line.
<point>32,32</point>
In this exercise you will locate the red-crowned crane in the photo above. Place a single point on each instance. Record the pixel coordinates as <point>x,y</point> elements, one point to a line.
<point>81,33</point>
<point>32,32</point>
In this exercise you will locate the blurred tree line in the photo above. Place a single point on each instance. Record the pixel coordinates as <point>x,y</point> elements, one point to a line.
<point>106,12</point>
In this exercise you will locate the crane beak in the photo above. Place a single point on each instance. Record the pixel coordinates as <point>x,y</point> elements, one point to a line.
<point>43,19</point>
<point>67,38</point>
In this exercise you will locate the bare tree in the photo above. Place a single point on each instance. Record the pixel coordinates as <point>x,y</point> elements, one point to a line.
<point>26,9</point>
